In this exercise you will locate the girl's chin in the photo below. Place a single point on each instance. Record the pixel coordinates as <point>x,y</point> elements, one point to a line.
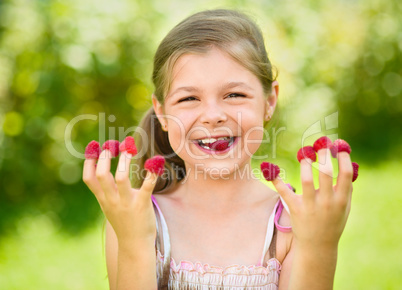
<point>218,170</point>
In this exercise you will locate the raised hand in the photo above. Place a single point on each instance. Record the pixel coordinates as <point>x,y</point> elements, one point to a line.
<point>128,210</point>
<point>318,216</point>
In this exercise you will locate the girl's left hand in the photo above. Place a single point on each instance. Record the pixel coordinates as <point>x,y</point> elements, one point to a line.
<point>319,216</point>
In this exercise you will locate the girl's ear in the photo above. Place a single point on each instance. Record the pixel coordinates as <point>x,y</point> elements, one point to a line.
<point>271,101</point>
<point>159,112</point>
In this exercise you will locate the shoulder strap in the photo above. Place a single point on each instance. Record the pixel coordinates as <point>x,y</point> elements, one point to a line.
<point>273,226</point>
<point>269,235</point>
<point>277,217</point>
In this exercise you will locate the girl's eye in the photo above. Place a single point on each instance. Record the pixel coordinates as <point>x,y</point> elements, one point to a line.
<point>187,99</point>
<point>236,95</point>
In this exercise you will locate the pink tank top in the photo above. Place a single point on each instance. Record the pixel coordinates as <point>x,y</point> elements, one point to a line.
<point>188,275</point>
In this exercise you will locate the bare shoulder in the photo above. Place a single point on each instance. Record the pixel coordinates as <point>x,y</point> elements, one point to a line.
<point>266,192</point>
<point>166,197</point>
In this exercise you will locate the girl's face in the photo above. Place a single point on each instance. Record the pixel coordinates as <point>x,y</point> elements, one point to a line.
<point>213,96</point>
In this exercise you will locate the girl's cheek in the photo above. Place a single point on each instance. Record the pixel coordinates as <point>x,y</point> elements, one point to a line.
<point>253,139</point>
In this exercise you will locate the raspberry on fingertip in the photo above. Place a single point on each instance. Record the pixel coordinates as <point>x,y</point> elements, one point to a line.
<point>340,145</point>
<point>112,146</point>
<point>269,170</point>
<point>355,171</point>
<point>92,151</point>
<point>128,145</point>
<point>155,164</point>
<point>306,152</point>
<point>321,143</point>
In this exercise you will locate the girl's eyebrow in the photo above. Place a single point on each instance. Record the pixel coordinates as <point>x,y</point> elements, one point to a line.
<point>186,89</point>
<point>231,85</point>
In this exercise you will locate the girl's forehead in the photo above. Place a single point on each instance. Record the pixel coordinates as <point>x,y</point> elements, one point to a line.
<point>214,65</point>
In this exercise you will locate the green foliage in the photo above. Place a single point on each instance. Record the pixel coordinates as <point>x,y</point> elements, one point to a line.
<point>39,256</point>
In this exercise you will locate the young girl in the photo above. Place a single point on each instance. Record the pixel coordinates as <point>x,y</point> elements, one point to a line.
<point>209,222</point>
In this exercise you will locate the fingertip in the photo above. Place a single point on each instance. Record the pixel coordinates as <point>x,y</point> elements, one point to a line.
<point>126,154</point>
<point>150,181</point>
<point>284,191</point>
<point>306,162</point>
<point>345,162</point>
<point>344,155</point>
<point>90,162</point>
<point>276,181</point>
<point>89,168</point>
<point>105,154</point>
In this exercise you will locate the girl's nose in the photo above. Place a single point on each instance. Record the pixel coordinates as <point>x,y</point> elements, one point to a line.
<point>213,114</point>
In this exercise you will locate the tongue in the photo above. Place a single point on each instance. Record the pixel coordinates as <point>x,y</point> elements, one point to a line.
<point>219,145</point>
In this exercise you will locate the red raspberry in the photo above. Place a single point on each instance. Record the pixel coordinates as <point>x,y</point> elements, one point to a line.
<point>269,170</point>
<point>219,145</point>
<point>112,146</point>
<point>321,143</point>
<point>92,151</point>
<point>155,164</point>
<point>128,145</point>
<point>306,152</point>
<point>340,145</point>
<point>355,171</point>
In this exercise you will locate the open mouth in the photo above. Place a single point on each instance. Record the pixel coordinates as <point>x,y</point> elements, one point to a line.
<point>221,144</point>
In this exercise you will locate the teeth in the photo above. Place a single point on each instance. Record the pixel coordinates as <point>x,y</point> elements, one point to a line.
<point>212,140</point>
<point>205,142</point>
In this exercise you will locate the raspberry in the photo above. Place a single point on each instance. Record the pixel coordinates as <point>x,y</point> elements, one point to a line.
<point>321,143</point>
<point>155,164</point>
<point>340,145</point>
<point>112,146</point>
<point>269,170</point>
<point>92,150</point>
<point>128,145</point>
<point>355,171</point>
<point>306,152</point>
<point>220,145</point>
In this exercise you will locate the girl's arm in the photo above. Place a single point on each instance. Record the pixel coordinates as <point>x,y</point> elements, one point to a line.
<point>318,218</point>
<point>308,269</point>
<point>131,226</point>
<point>129,270</point>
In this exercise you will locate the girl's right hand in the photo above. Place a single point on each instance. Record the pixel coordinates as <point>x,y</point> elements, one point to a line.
<point>128,210</point>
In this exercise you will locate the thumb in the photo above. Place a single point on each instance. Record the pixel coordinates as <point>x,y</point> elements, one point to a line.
<point>148,185</point>
<point>284,191</point>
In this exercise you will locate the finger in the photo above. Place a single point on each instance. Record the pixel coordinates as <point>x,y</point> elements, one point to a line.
<point>148,186</point>
<point>122,176</point>
<point>104,176</point>
<point>344,181</point>
<point>325,172</point>
<point>307,180</point>
<point>285,192</point>
<point>89,177</point>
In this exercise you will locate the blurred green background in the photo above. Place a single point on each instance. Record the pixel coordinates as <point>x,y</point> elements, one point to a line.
<point>74,71</point>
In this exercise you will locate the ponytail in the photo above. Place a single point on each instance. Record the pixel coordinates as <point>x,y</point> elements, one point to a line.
<point>157,143</point>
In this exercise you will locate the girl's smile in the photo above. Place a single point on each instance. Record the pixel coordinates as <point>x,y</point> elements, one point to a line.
<point>214,110</point>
